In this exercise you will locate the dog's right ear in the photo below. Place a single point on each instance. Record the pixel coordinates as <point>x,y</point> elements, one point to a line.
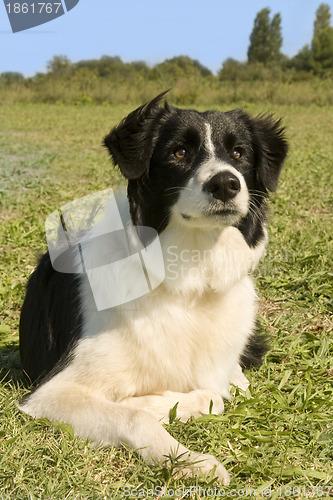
<point>130,144</point>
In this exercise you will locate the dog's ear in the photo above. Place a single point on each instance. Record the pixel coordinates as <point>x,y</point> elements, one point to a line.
<point>271,149</point>
<point>130,144</point>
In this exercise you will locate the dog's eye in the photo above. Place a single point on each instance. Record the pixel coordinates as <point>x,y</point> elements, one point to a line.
<point>236,154</point>
<point>180,153</point>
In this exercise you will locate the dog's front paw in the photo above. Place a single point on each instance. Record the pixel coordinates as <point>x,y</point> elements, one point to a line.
<point>206,465</point>
<point>238,379</point>
<point>198,403</point>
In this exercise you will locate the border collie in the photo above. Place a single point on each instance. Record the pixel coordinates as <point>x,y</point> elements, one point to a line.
<point>201,181</point>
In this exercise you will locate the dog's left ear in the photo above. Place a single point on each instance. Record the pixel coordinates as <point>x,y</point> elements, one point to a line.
<point>271,149</point>
<point>130,144</point>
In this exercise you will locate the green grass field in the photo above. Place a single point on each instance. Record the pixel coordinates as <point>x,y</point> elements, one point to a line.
<point>276,439</point>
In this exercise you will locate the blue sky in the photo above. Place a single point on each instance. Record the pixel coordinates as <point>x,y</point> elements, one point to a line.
<point>152,30</point>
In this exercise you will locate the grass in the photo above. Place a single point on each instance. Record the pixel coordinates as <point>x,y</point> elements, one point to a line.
<point>84,87</point>
<point>276,439</point>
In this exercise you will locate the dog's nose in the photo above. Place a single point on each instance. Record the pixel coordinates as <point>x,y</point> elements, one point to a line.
<point>223,186</point>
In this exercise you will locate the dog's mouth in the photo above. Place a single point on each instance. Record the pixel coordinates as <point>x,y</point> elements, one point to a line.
<point>226,212</point>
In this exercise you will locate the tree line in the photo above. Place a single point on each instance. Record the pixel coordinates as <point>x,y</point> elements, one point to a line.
<point>110,80</point>
<point>264,50</point>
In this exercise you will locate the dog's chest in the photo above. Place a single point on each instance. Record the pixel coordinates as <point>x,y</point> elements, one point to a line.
<point>189,332</point>
<point>173,343</point>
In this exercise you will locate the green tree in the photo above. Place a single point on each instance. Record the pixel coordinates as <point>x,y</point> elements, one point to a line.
<point>182,66</point>
<point>265,39</point>
<point>11,77</point>
<point>232,70</point>
<point>322,41</point>
<point>59,65</point>
<point>303,61</point>
<point>323,18</point>
<point>105,66</point>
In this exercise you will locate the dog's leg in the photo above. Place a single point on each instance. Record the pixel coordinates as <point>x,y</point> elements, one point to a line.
<point>109,423</point>
<point>190,404</point>
<point>239,379</point>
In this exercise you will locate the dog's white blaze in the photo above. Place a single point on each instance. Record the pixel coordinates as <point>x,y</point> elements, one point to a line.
<point>208,142</point>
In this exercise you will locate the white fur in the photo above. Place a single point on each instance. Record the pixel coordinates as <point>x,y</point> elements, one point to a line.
<point>209,143</point>
<point>179,343</point>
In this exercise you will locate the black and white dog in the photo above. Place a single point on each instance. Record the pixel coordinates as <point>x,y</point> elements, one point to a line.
<point>201,180</point>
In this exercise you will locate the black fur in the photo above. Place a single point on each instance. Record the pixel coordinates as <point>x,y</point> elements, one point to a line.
<point>137,128</point>
<point>149,133</point>
<point>255,349</point>
<point>51,319</point>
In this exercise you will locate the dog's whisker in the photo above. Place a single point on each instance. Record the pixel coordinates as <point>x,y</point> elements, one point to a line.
<point>175,190</point>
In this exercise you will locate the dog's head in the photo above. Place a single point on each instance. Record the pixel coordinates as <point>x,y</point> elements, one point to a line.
<point>209,169</point>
